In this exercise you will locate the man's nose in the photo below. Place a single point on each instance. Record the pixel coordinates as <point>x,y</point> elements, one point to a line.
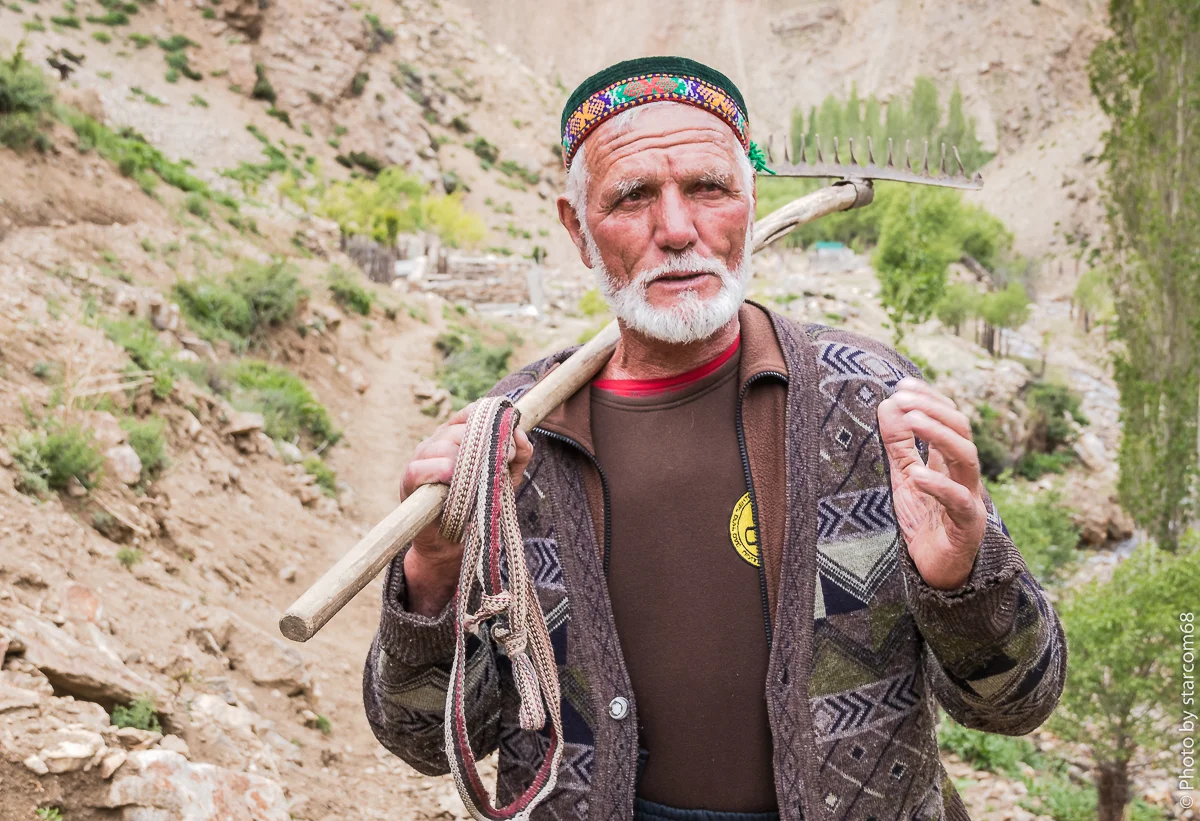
<point>675,229</point>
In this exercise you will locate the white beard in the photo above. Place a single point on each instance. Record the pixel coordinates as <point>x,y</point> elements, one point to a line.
<point>692,318</point>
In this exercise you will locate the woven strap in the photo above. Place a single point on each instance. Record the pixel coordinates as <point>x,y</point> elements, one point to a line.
<point>481,513</point>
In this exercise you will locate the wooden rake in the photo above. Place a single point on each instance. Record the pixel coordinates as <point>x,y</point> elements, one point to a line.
<point>852,189</point>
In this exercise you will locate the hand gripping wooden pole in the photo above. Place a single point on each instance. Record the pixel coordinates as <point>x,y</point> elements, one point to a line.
<point>365,560</point>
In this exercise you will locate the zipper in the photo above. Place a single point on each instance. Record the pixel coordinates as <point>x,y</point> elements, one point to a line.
<point>603,487</point>
<point>762,561</point>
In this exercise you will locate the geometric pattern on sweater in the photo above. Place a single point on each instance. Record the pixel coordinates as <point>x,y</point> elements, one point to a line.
<point>849,713</point>
<point>858,513</point>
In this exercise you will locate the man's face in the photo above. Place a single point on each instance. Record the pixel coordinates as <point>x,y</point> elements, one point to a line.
<point>668,221</point>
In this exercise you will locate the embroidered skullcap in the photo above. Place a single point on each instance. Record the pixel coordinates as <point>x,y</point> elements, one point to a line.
<point>650,80</point>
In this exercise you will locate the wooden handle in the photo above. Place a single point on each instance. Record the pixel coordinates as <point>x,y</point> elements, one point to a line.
<point>360,564</point>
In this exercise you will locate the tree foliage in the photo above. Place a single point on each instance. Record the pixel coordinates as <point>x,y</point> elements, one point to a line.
<point>1147,80</point>
<point>1124,679</point>
<point>918,119</point>
<point>394,203</point>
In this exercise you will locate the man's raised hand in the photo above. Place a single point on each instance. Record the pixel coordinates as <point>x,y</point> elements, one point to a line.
<point>939,505</point>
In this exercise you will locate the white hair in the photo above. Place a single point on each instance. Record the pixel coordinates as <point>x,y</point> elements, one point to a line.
<point>691,318</point>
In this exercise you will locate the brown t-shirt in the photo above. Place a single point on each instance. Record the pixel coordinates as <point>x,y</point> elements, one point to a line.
<point>684,584</point>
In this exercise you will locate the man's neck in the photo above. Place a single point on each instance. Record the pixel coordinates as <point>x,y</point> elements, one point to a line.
<point>638,356</point>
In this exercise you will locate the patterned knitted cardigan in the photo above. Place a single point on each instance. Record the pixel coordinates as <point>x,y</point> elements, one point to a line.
<point>851,689</point>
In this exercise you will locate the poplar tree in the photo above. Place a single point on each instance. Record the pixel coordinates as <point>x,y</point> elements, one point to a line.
<point>1147,80</point>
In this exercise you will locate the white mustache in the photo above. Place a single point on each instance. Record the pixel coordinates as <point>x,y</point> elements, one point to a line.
<point>688,262</point>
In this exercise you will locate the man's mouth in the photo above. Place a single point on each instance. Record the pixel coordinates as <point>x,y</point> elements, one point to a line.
<point>682,277</point>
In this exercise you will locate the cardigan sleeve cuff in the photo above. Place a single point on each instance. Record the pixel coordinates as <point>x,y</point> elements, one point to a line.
<point>984,607</point>
<point>410,638</point>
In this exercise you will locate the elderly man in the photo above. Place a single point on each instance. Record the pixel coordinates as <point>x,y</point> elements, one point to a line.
<point>763,549</point>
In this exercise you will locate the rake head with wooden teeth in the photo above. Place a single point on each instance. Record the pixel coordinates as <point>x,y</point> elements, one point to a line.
<point>871,170</point>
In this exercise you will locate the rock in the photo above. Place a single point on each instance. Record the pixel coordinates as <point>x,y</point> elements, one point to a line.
<point>189,791</point>
<point>243,423</point>
<point>6,460</point>
<point>75,488</point>
<point>75,669</point>
<point>73,751</point>
<point>288,574</point>
<point>201,347</point>
<point>244,15</point>
<point>15,698</point>
<point>359,382</point>
<point>262,658</point>
<point>175,744</point>
<point>80,603</point>
<point>107,429</point>
<point>124,463</point>
<point>309,495</point>
<point>132,738</point>
<point>111,763</point>
<point>329,316</point>
<point>290,453</point>
<point>184,355</point>
<point>192,427</point>
<point>36,764</point>
<point>1091,452</point>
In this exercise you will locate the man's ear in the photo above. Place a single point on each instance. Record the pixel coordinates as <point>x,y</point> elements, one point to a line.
<point>570,221</point>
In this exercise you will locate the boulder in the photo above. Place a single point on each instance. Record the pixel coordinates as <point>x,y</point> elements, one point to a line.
<point>74,668</point>
<point>290,453</point>
<point>73,750</point>
<point>262,658</point>
<point>201,347</point>
<point>1091,452</point>
<point>123,462</point>
<point>107,429</point>
<point>112,762</point>
<point>80,604</point>
<point>15,698</point>
<point>358,382</point>
<point>188,791</point>
<point>243,423</point>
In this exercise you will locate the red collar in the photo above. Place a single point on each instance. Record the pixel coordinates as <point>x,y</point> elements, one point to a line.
<point>653,387</point>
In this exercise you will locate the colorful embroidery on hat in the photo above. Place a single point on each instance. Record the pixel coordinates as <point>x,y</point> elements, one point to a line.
<point>649,88</point>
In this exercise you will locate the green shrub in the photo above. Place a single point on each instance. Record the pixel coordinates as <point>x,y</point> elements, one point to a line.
<point>112,18</point>
<point>196,206</point>
<point>470,368</point>
<point>1034,465</point>
<point>139,713</point>
<point>48,813</point>
<point>323,725</point>
<point>141,40</point>
<point>263,90</point>
<point>987,751</point>
<point>148,441</point>
<point>250,300</point>
<point>70,22</point>
<point>48,457</point>
<point>102,37</point>
<point>326,477</point>
<point>25,101</point>
<point>511,168</point>
<point>359,83</point>
<point>487,152</point>
<point>348,293</point>
<point>176,42</point>
<point>286,403</point>
<point>1051,404</point>
<point>1040,526</point>
<point>592,303</point>
<point>991,443</point>
<point>140,341</point>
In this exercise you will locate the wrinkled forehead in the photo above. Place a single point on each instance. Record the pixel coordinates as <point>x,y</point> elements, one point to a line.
<point>661,139</point>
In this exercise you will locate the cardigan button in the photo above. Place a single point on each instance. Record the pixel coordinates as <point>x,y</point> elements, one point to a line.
<point>618,708</point>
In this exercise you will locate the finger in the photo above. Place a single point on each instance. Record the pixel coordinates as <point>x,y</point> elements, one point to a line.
<point>524,446</point>
<point>425,472</point>
<point>911,383</point>
<point>459,417</point>
<point>898,440</point>
<point>959,452</point>
<point>453,436</point>
<point>956,499</point>
<point>437,448</point>
<point>944,412</point>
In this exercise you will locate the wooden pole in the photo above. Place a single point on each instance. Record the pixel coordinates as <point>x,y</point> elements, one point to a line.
<point>365,560</point>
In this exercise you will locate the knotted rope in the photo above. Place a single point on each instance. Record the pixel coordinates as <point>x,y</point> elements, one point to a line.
<point>481,513</point>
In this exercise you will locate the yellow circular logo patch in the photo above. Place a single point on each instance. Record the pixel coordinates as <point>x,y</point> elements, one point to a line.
<point>742,531</point>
